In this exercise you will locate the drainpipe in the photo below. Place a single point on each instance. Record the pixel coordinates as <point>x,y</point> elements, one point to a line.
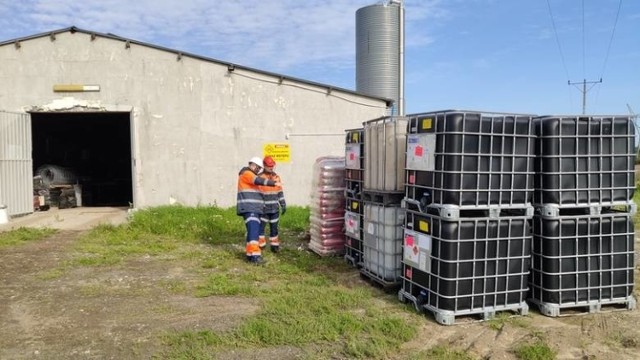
<point>400,4</point>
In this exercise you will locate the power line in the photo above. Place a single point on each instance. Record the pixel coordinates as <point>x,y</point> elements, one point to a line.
<point>584,52</point>
<point>611,39</point>
<point>583,89</point>
<point>606,58</point>
<point>555,31</point>
<point>584,82</point>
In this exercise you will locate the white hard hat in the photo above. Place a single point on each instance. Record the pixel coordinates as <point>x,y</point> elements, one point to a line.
<point>256,160</point>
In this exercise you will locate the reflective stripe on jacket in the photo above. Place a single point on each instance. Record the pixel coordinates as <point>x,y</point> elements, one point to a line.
<point>250,198</point>
<point>273,195</point>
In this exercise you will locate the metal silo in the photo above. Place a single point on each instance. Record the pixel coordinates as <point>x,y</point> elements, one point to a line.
<point>380,52</point>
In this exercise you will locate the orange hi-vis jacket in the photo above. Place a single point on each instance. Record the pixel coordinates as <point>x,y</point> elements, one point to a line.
<point>273,195</point>
<point>250,199</point>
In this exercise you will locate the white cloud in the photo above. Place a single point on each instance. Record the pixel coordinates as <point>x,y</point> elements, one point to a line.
<point>272,35</point>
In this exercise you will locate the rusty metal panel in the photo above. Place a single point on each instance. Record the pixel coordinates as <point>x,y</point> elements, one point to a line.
<point>16,164</point>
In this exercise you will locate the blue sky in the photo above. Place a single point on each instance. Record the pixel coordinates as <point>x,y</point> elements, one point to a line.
<point>492,55</point>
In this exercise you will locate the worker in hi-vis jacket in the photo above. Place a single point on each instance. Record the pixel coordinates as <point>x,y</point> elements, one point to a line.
<point>274,204</point>
<point>250,205</point>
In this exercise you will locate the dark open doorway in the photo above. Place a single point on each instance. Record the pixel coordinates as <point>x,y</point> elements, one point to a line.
<point>93,146</point>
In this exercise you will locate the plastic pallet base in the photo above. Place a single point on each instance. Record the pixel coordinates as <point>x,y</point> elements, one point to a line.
<point>374,279</point>
<point>555,210</point>
<point>446,317</point>
<point>383,198</point>
<point>454,212</point>
<point>582,308</point>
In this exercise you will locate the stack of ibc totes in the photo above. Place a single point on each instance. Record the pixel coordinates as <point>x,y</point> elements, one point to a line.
<point>354,208</point>
<point>583,255</point>
<point>384,157</point>
<point>326,218</point>
<point>467,239</point>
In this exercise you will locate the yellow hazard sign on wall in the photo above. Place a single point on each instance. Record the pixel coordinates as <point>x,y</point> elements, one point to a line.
<point>280,152</point>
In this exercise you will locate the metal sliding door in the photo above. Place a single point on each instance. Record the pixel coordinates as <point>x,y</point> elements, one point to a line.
<point>16,164</point>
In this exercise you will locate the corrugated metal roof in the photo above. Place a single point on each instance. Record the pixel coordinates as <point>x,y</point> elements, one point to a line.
<point>73,29</point>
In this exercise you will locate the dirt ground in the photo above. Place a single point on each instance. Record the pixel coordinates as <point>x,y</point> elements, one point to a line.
<point>119,313</point>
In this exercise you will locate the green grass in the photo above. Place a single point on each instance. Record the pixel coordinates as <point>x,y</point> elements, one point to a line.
<point>503,318</point>
<point>305,301</point>
<point>209,224</point>
<point>302,304</point>
<point>535,349</point>
<point>23,235</point>
<point>161,231</point>
<point>442,353</point>
<point>538,350</point>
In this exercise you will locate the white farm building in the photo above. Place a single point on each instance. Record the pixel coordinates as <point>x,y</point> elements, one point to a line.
<point>142,125</point>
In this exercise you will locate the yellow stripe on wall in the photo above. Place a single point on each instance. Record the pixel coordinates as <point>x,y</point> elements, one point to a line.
<point>75,88</point>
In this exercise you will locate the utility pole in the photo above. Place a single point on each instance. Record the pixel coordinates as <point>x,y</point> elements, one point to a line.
<point>584,91</point>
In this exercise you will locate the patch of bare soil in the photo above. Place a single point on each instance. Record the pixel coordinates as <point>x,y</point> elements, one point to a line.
<point>613,333</point>
<point>596,336</point>
<point>98,312</point>
<point>119,312</point>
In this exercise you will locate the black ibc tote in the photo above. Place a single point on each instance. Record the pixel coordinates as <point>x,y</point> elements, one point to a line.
<point>584,160</point>
<point>468,193</point>
<point>583,244</point>
<point>470,159</point>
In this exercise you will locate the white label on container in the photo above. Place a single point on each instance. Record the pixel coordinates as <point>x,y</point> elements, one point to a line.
<point>411,250</point>
<point>425,242</point>
<point>371,228</point>
<point>352,224</point>
<point>421,152</point>
<point>417,250</point>
<point>425,262</point>
<point>352,156</point>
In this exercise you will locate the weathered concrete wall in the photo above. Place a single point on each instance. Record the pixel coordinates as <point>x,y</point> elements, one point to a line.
<point>195,124</point>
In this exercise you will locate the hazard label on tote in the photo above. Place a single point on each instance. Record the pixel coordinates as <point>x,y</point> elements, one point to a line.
<point>280,152</point>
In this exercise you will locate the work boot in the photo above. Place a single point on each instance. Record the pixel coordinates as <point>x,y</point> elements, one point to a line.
<point>262,242</point>
<point>274,243</point>
<point>256,260</point>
